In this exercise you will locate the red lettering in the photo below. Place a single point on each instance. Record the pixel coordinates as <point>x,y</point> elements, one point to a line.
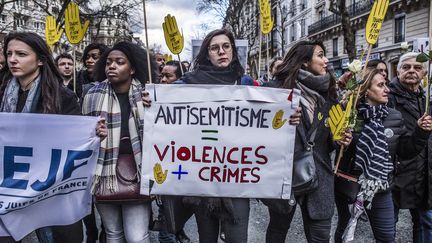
<point>257,177</point>
<point>200,173</point>
<point>220,158</point>
<point>234,175</point>
<point>194,159</point>
<point>243,175</point>
<point>205,154</point>
<point>161,156</point>
<point>258,155</point>
<point>183,154</point>
<point>244,156</point>
<point>214,174</point>
<point>229,156</point>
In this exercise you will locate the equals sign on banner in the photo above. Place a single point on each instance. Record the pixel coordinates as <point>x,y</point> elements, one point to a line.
<point>209,135</point>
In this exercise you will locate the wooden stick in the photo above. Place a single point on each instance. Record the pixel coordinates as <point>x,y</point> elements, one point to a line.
<point>267,58</point>
<point>357,94</point>
<point>147,45</point>
<point>339,158</point>
<point>181,67</point>
<point>73,71</point>
<point>259,55</point>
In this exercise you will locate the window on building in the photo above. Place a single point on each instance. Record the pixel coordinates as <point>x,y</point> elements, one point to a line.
<point>335,47</point>
<point>3,19</point>
<point>320,14</point>
<point>399,29</point>
<point>19,21</point>
<point>303,4</point>
<point>303,27</point>
<point>292,7</point>
<point>21,3</point>
<point>293,30</point>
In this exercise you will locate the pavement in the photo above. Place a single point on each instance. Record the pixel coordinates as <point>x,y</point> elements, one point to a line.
<point>259,219</point>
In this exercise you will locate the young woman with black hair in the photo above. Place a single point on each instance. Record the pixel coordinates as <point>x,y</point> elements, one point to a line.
<point>31,83</point>
<point>305,67</point>
<point>119,97</point>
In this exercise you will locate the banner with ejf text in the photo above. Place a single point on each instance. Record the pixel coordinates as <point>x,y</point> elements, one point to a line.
<point>219,141</point>
<point>47,163</point>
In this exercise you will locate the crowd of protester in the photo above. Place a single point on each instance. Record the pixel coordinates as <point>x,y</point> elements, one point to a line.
<point>389,149</point>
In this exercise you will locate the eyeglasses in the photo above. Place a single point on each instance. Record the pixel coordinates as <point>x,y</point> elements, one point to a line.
<point>416,67</point>
<point>216,48</point>
<point>95,56</point>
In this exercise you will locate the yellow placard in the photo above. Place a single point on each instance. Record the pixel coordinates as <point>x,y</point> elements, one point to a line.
<point>167,57</point>
<point>74,30</point>
<point>53,32</point>
<point>375,20</point>
<point>173,38</point>
<point>263,4</point>
<point>266,24</point>
<point>339,119</point>
<point>266,18</point>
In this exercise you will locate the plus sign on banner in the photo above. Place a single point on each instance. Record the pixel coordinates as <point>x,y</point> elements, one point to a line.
<point>225,141</point>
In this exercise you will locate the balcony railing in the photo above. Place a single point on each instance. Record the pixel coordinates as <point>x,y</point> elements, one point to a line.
<point>354,10</point>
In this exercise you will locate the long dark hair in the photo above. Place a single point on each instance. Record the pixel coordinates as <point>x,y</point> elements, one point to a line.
<point>137,57</point>
<point>203,58</point>
<point>50,77</point>
<point>293,61</point>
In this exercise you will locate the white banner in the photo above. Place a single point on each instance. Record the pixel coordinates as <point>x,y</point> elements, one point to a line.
<point>215,140</point>
<point>47,163</point>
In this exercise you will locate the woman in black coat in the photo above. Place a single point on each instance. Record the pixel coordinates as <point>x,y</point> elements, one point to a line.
<point>31,83</point>
<point>372,154</point>
<point>305,68</point>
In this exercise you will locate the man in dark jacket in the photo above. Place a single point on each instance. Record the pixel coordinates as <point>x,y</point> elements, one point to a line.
<point>412,185</point>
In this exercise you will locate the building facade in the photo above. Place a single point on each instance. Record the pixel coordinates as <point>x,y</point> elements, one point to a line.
<point>406,21</point>
<point>26,15</point>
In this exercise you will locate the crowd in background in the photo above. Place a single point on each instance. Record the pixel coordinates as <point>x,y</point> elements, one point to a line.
<point>390,148</point>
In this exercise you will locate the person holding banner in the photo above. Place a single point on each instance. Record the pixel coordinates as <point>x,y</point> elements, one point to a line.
<point>305,67</point>
<point>217,62</point>
<point>31,83</point>
<point>119,100</point>
<point>372,156</point>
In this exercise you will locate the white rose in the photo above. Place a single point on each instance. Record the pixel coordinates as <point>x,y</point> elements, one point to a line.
<point>404,45</point>
<point>355,66</point>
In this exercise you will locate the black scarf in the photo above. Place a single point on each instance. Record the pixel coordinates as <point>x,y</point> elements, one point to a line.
<point>212,75</point>
<point>312,88</point>
<point>372,154</point>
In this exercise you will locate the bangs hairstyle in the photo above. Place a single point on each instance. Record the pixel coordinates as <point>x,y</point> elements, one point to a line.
<point>300,53</point>
<point>137,57</point>
<point>50,77</point>
<point>203,57</point>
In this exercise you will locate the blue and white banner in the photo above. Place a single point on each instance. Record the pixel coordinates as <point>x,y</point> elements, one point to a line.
<point>47,163</point>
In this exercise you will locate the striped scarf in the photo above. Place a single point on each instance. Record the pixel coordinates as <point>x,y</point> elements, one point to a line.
<point>372,154</point>
<point>102,101</point>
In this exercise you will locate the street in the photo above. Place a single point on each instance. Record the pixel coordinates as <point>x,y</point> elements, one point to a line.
<point>259,219</point>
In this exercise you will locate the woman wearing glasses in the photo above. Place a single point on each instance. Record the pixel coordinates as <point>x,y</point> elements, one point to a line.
<point>217,63</point>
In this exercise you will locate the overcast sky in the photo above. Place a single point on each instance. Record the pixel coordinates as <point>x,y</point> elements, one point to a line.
<point>187,18</point>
